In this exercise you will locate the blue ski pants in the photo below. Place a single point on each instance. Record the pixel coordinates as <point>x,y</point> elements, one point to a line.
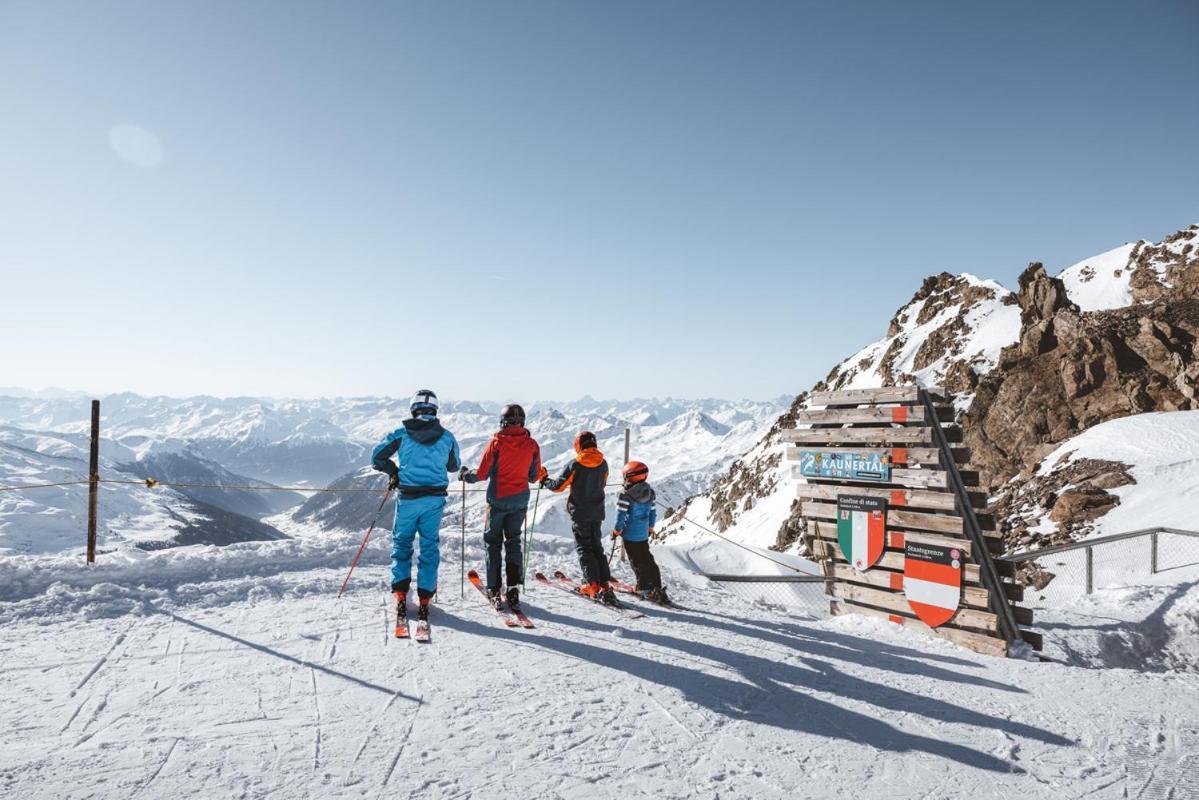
<point>416,516</point>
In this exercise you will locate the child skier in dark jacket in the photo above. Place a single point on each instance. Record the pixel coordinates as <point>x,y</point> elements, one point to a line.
<point>635,518</point>
<point>586,477</point>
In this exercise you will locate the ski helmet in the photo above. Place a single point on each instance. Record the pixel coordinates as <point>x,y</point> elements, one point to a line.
<point>635,472</point>
<point>512,414</point>
<point>584,441</point>
<point>424,404</point>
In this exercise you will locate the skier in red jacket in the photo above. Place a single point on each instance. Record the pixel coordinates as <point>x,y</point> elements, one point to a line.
<point>510,462</point>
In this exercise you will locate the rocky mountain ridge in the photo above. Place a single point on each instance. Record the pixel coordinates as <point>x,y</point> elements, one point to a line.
<point>1112,336</point>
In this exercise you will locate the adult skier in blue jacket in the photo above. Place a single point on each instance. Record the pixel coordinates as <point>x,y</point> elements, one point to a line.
<point>427,453</point>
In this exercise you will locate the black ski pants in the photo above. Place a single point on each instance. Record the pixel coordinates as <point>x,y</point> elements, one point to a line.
<point>644,566</point>
<point>503,533</point>
<point>589,544</point>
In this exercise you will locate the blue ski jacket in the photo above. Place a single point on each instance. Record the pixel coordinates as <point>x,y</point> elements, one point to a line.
<point>426,452</point>
<point>635,512</point>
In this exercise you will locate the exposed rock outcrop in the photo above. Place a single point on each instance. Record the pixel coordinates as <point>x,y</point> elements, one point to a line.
<point>1072,370</point>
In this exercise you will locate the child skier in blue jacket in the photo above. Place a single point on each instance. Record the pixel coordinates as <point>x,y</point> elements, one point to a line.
<point>635,518</point>
<point>427,452</point>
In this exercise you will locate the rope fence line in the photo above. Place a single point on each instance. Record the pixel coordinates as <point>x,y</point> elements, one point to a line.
<point>744,547</point>
<point>41,485</point>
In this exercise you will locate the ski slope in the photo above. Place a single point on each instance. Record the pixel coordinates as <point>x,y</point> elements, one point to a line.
<point>181,676</point>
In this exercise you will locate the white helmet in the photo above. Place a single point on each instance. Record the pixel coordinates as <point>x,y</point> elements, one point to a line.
<point>424,404</point>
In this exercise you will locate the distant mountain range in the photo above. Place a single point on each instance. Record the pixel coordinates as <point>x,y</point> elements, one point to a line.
<point>307,443</point>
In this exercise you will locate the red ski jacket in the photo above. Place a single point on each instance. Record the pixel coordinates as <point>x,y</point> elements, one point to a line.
<point>512,460</point>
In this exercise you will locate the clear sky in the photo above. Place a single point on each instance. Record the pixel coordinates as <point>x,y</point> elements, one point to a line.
<point>517,200</point>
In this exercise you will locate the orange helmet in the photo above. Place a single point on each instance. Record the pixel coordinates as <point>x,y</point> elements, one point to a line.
<point>585,440</point>
<point>635,472</point>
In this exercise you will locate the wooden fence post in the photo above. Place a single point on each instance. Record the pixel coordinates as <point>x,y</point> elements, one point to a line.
<point>93,483</point>
<point>1153,553</point>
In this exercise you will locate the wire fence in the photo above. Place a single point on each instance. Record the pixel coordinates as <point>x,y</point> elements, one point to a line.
<point>802,595</point>
<point>1057,575</point>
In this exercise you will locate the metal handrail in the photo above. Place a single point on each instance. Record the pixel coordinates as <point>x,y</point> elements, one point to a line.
<point>1008,628</point>
<point>1113,537</point>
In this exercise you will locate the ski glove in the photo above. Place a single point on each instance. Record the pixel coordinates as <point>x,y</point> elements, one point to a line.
<point>617,533</point>
<point>543,474</point>
<point>466,476</point>
<point>393,483</point>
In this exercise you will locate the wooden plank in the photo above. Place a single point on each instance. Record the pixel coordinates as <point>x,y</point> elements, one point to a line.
<point>895,539</point>
<point>896,602</point>
<point>1034,639</point>
<point>892,580</point>
<point>880,394</point>
<point>896,498</point>
<point>952,525</point>
<point>893,560</point>
<point>898,436</point>
<point>877,576</point>
<point>896,414</point>
<point>978,642</point>
<point>907,456</point>
<point>900,478</point>
<point>897,518</point>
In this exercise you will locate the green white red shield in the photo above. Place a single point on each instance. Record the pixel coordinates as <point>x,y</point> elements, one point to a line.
<point>932,581</point>
<point>861,529</point>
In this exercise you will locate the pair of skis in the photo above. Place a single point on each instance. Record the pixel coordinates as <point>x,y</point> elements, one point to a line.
<point>510,617</point>
<point>569,585</point>
<point>420,633</point>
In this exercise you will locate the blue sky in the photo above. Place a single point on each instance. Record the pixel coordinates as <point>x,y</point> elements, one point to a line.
<point>517,200</point>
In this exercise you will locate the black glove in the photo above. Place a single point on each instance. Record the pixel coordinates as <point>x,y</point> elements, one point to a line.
<point>462,473</point>
<point>545,483</point>
<point>393,483</point>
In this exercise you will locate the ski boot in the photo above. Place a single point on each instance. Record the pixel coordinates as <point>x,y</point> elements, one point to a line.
<point>658,596</point>
<point>513,598</point>
<point>422,612</point>
<point>590,590</point>
<point>401,614</point>
<point>496,599</point>
<point>608,597</point>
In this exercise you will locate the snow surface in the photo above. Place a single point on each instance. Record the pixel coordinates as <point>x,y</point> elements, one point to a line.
<point>234,672</point>
<point>1101,282</point>
<point>1162,451</point>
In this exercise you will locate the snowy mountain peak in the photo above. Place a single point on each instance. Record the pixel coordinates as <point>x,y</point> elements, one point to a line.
<point>951,330</point>
<point>1136,272</point>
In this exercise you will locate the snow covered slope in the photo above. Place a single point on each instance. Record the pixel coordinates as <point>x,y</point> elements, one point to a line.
<point>230,673</point>
<point>1140,271</point>
<point>1123,475</point>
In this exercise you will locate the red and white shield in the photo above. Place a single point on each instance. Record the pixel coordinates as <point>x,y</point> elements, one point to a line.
<point>932,581</point>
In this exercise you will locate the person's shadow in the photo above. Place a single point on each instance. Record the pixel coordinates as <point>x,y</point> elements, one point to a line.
<point>779,693</point>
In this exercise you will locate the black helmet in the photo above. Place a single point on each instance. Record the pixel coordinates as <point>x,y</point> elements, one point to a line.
<point>512,414</point>
<point>585,441</point>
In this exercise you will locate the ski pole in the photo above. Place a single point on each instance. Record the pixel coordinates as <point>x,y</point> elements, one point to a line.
<point>532,526</point>
<point>462,557</point>
<point>365,539</point>
<point>612,552</point>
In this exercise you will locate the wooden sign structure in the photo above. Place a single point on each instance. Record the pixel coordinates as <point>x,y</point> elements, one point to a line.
<point>897,444</point>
